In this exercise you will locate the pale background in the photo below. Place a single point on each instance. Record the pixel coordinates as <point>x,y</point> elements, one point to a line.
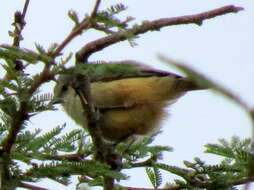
<point>222,48</point>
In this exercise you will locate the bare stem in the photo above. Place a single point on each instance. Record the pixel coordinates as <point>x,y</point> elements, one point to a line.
<point>19,21</point>
<point>96,7</point>
<point>77,30</point>
<point>83,54</point>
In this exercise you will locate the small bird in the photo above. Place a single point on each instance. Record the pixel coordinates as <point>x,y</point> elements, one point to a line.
<point>131,97</point>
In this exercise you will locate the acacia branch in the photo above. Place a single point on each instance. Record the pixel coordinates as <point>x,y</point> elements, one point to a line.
<point>21,115</point>
<point>147,163</point>
<point>70,157</point>
<point>104,152</point>
<point>19,23</point>
<point>95,10</point>
<point>86,23</point>
<point>83,54</point>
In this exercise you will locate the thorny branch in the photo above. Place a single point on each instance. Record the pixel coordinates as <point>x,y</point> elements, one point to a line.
<point>78,29</point>
<point>95,10</point>
<point>21,114</point>
<point>19,23</point>
<point>19,117</point>
<point>104,151</point>
<point>83,54</point>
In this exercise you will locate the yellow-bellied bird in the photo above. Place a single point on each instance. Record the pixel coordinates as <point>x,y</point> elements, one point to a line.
<point>132,97</point>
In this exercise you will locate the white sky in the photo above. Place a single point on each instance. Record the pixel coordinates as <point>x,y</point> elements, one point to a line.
<point>222,48</point>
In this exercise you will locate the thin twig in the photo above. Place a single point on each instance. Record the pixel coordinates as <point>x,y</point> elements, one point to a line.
<point>146,163</point>
<point>99,44</point>
<point>95,10</point>
<point>84,24</point>
<point>25,8</point>
<point>75,32</point>
<point>19,24</point>
<point>21,115</point>
<point>69,157</point>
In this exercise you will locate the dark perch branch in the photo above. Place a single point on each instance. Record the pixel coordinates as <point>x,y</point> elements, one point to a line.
<point>83,54</point>
<point>104,152</point>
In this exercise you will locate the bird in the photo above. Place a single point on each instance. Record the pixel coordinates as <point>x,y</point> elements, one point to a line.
<point>131,96</point>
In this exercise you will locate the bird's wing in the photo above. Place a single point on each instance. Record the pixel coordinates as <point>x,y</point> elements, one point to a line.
<point>109,71</point>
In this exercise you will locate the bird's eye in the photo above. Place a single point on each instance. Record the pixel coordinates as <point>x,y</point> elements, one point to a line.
<point>64,88</point>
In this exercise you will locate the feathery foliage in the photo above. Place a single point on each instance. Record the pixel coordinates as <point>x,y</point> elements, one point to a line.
<point>30,155</point>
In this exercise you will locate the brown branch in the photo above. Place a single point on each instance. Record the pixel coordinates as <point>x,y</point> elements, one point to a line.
<point>145,163</point>
<point>78,29</point>
<point>83,54</point>
<point>19,23</point>
<point>69,157</point>
<point>104,152</point>
<point>19,117</point>
<point>32,187</point>
<point>95,10</point>
<point>21,114</point>
<point>75,32</point>
<point>25,8</point>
